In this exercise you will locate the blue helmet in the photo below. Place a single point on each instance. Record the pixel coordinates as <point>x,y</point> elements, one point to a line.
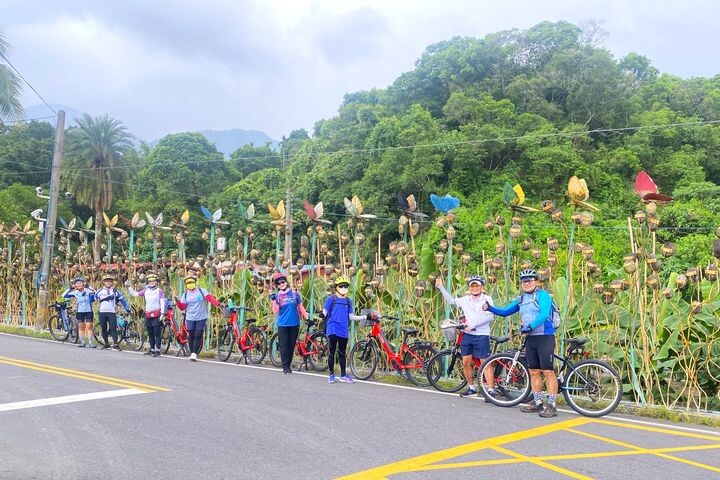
<point>476,279</point>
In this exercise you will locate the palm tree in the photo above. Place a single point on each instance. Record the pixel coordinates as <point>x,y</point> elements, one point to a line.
<point>100,164</point>
<point>10,86</point>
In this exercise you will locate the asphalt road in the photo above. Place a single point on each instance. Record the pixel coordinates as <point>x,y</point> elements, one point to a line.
<point>75,413</point>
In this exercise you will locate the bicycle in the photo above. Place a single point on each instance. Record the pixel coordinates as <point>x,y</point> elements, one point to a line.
<point>172,334</point>
<point>129,332</point>
<point>590,387</point>
<point>445,369</point>
<point>312,347</point>
<point>62,324</point>
<point>251,341</point>
<point>410,359</point>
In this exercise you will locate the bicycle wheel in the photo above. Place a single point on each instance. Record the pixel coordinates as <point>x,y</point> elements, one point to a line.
<point>445,371</point>
<point>97,334</point>
<point>167,337</point>
<point>364,359</point>
<point>274,351</point>
<point>133,335</point>
<point>226,342</point>
<point>416,360</point>
<point>256,353</point>
<point>318,348</point>
<point>511,378</point>
<point>73,335</point>
<point>592,388</point>
<point>57,328</point>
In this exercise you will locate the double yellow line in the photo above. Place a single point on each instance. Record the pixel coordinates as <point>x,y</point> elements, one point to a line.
<point>92,377</point>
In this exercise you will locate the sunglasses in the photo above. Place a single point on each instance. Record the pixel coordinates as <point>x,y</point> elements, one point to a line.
<point>343,286</point>
<point>527,280</point>
<point>281,282</point>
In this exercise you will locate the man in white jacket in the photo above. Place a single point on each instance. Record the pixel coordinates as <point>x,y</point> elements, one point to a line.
<point>476,338</point>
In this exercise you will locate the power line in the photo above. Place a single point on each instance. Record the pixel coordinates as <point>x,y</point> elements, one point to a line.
<point>24,120</point>
<point>28,83</point>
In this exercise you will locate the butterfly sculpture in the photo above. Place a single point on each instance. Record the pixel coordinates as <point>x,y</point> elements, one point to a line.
<point>515,198</point>
<point>444,204</point>
<point>647,190</point>
<point>315,213</point>
<point>579,193</point>
<point>354,208</point>
<point>247,213</point>
<point>408,206</point>
<point>213,217</point>
<point>277,214</point>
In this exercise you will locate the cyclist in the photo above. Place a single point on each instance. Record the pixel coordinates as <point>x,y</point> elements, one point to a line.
<point>288,308</point>
<point>108,298</point>
<point>535,307</point>
<point>154,309</point>
<point>337,312</point>
<point>84,297</point>
<point>476,341</point>
<point>194,302</point>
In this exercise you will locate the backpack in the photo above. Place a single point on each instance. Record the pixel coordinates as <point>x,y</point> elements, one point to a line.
<point>554,310</point>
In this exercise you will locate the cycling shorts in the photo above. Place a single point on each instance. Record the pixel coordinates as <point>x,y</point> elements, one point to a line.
<point>539,351</point>
<point>476,345</point>
<point>83,317</point>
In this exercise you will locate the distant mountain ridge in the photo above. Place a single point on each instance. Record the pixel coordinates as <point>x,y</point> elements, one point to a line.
<point>226,141</point>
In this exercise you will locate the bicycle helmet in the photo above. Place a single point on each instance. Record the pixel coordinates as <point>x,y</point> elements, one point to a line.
<point>342,282</point>
<point>278,277</point>
<point>78,280</point>
<point>109,276</point>
<point>528,273</point>
<point>188,278</point>
<point>476,279</point>
<point>151,277</point>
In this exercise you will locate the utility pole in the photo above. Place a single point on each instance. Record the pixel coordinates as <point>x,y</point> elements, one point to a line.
<point>288,226</point>
<point>41,317</point>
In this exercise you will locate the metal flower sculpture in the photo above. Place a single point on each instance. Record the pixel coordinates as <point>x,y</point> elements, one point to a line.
<point>109,228</point>
<point>647,190</point>
<point>408,206</point>
<point>315,213</point>
<point>578,192</point>
<point>156,225</point>
<point>354,208</point>
<point>515,198</point>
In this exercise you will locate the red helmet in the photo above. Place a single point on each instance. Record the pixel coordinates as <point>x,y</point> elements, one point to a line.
<point>278,277</point>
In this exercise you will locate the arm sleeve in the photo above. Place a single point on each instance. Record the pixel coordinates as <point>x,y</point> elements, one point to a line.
<point>67,294</point>
<point>212,300</point>
<point>121,298</point>
<point>163,302</point>
<point>545,305</point>
<point>133,293</point>
<point>448,298</point>
<point>512,307</point>
<point>180,304</point>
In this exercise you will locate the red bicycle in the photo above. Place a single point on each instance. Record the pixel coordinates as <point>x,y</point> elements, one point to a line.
<point>410,360</point>
<point>172,334</point>
<point>312,347</point>
<point>251,341</point>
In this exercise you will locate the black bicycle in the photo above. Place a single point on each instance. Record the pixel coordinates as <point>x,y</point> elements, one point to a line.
<point>129,332</point>
<point>62,324</point>
<point>590,387</point>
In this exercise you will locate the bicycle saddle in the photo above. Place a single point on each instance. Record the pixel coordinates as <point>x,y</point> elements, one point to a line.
<point>499,340</point>
<point>580,341</point>
<point>409,330</point>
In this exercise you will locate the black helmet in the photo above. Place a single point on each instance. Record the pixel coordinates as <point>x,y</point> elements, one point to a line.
<point>528,273</point>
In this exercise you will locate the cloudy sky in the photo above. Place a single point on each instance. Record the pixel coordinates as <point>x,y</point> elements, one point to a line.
<point>165,66</point>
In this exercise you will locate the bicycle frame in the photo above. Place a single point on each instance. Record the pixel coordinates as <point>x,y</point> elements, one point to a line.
<point>394,359</point>
<point>181,334</point>
<point>243,339</point>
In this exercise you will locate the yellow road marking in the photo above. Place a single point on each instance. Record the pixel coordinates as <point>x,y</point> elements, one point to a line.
<point>645,450</point>
<point>82,375</point>
<point>419,462</point>
<point>668,431</point>
<point>540,463</point>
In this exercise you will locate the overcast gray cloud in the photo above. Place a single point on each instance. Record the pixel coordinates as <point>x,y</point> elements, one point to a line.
<point>173,65</point>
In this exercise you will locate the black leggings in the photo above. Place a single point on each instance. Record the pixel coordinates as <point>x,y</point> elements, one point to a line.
<point>154,330</point>
<point>108,319</point>
<point>287,337</point>
<point>341,344</point>
<point>195,339</point>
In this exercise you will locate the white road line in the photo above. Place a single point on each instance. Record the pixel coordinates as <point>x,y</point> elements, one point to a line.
<point>83,397</point>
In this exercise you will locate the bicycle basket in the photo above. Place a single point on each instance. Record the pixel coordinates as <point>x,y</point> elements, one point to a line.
<point>447,327</point>
<point>367,323</point>
<point>226,312</point>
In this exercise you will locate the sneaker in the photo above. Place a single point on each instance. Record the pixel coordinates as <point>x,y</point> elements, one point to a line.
<point>90,345</point>
<point>156,353</point>
<point>193,357</point>
<point>532,408</point>
<point>285,371</point>
<point>488,394</point>
<point>331,379</point>
<point>105,347</point>
<point>148,353</point>
<point>346,379</point>
<point>116,347</point>
<point>550,411</point>
<point>81,345</point>
<point>469,392</point>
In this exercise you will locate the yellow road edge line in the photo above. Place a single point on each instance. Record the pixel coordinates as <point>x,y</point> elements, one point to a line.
<point>414,463</point>
<point>645,450</point>
<point>82,375</point>
<point>540,463</point>
<point>659,430</point>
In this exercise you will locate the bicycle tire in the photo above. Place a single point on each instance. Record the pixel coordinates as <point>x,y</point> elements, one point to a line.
<point>57,328</point>
<point>592,388</point>
<point>274,351</point>
<point>226,342</point>
<point>364,358</point>
<point>167,337</point>
<point>445,371</point>
<point>256,353</point>
<point>416,360</point>
<point>97,334</point>
<point>133,335</point>
<point>318,348</point>
<point>73,333</point>
<point>512,380</point>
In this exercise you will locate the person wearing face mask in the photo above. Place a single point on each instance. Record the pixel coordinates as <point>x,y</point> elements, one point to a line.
<point>108,298</point>
<point>338,312</point>
<point>194,302</point>
<point>84,297</point>
<point>476,340</point>
<point>154,310</point>
<point>288,308</point>
<point>535,307</point>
